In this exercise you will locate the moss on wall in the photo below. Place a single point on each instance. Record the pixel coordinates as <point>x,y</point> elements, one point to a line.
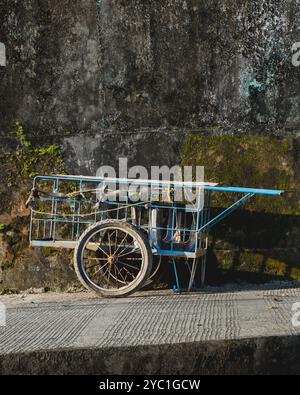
<point>261,239</point>
<point>249,161</point>
<point>249,265</point>
<point>22,267</point>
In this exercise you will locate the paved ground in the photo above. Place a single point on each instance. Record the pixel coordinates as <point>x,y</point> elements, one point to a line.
<point>54,321</point>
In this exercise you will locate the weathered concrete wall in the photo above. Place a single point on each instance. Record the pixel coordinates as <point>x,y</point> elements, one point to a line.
<point>110,78</point>
<point>271,355</point>
<point>200,63</point>
<point>222,66</point>
<point>52,75</point>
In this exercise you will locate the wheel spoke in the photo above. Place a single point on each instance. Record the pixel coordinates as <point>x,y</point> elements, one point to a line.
<point>128,253</point>
<point>114,269</point>
<point>109,240</point>
<point>121,243</point>
<point>109,272</point>
<point>104,274</point>
<point>127,264</point>
<point>99,248</point>
<point>134,259</point>
<point>101,268</point>
<point>128,272</point>
<point>109,245</point>
<point>120,273</point>
<point>89,267</point>
<point>97,259</point>
<point>116,239</point>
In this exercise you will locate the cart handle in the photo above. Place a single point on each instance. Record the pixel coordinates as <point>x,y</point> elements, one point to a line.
<point>255,191</point>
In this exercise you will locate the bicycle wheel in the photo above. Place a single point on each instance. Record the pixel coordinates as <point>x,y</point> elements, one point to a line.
<point>113,258</point>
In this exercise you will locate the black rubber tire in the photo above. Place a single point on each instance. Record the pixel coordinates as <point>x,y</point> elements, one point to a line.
<point>142,276</point>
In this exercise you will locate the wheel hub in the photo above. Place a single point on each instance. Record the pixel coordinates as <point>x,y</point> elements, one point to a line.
<point>111,260</point>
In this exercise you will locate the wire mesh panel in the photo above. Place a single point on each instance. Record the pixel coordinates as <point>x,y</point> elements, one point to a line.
<point>63,207</point>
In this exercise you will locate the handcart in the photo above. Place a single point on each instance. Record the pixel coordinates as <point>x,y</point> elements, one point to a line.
<point>120,229</point>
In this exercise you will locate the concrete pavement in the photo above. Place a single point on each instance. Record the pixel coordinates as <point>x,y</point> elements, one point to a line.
<point>50,323</point>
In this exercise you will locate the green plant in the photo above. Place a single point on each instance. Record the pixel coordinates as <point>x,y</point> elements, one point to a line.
<point>28,161</point>
<point>21,135</point>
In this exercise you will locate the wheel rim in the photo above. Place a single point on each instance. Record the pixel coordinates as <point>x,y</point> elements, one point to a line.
<point>116,262</point>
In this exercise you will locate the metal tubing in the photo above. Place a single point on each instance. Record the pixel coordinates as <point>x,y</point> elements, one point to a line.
<point>226,212</point>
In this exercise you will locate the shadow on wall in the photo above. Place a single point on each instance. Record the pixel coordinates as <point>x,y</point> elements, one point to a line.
<point>247,247</point>
<point>250,247</point>
<point>255,247</point>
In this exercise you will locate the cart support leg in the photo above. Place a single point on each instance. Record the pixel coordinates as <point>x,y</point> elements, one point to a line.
<point>176,287</point>
<point>203,270</point>
<point>192,274</point>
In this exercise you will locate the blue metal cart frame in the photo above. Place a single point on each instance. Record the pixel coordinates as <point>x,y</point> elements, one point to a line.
<point>64,208</point>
